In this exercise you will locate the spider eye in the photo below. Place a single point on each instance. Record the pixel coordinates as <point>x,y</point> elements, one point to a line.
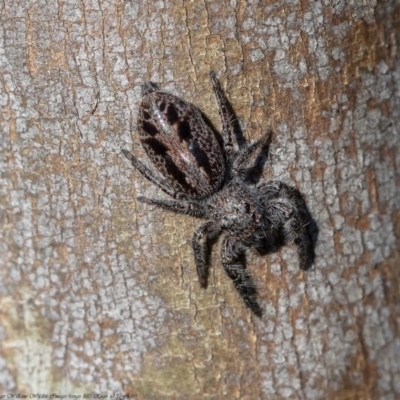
<point>247,207</point>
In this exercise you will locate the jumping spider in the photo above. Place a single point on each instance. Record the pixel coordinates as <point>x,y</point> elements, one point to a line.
<point>206,180</point>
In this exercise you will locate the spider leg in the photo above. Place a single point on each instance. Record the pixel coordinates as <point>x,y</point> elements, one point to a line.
<point>242,158</point>
<point>179,207</point>
<point>225,114</point>
<point>149,87</point>
<point>297,230</point>
<point>231,249</point>
<point>285,208</point>
<point>149,174</point>
<point>201,249</point>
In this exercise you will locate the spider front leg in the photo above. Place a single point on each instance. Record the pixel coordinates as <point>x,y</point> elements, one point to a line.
<point>285,207</point>
<point>296,230</point>
<point>201,249</point>
<point>231,249</point>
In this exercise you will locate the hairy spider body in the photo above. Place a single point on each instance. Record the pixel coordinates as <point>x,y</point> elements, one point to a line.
<point>205,180</point>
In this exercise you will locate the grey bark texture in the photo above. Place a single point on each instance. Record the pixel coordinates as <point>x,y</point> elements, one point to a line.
<point>99,293</point>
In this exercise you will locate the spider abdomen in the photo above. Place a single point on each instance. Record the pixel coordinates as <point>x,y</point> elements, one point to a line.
<point>180,144</point>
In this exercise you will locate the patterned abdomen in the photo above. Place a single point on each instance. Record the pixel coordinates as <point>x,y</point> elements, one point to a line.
<point>180,144</point>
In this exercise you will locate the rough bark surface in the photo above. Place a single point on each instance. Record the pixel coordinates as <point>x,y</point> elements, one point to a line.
<point>99,293</point>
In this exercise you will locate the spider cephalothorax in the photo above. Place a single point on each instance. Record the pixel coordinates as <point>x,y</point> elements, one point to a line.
<point>204,177</point>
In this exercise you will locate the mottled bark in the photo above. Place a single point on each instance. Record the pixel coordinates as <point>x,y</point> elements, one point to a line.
<point>99,293</point>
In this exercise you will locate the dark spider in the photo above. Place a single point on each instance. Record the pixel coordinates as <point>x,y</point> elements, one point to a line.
<point>206,179</point>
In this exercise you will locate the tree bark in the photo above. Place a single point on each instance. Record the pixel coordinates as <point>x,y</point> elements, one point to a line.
<point>99,293</point>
